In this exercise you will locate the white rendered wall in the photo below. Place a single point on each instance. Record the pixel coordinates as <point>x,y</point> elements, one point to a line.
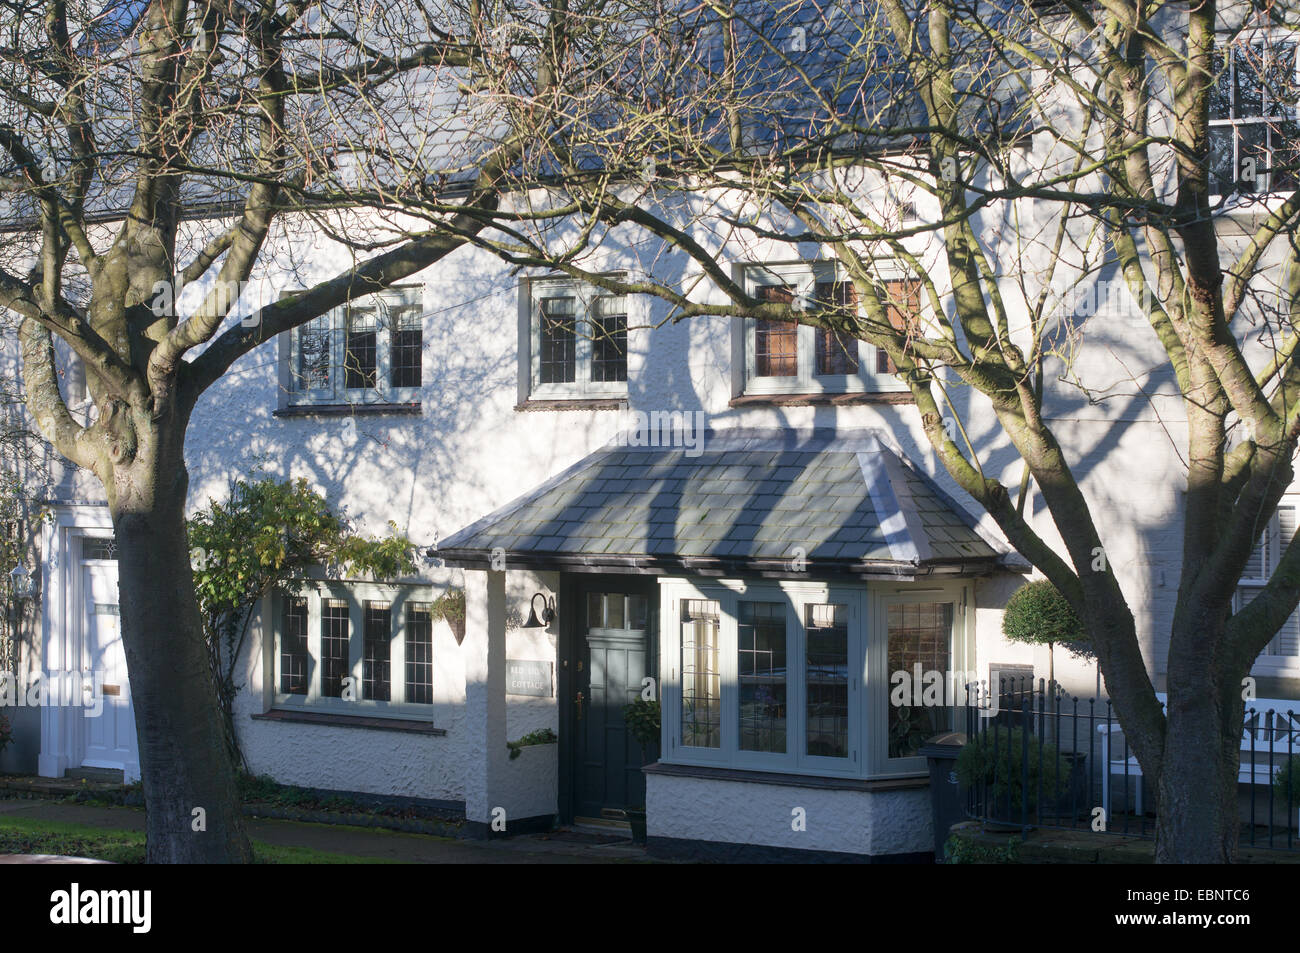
<point>737,812</point>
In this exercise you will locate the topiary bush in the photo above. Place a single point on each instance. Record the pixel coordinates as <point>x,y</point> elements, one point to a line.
<point>994,759</point>
<point>1037,614</point>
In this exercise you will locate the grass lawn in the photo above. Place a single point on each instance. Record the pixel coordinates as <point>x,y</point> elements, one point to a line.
<point>18,836</point>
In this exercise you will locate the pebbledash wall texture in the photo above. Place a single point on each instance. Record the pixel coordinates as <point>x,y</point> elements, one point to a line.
<point>479,441</point>
<point>393,763</point>
<point>702,818</point>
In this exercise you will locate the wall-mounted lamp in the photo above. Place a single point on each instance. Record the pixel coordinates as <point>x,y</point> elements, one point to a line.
<point>21,584</point>
<point>548,612</point>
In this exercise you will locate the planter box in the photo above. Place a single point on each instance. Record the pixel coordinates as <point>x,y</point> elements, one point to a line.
<point>532,782</point>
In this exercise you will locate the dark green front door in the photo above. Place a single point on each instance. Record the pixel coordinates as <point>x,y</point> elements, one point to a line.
<point>614,658</point>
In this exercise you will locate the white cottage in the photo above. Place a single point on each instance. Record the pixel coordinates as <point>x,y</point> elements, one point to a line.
<point>697,512</point>
<point>725,515</point>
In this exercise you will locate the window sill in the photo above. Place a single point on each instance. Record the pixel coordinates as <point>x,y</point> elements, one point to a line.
<point>351,721</point>
<point>573,403</point>
<point>1276,666</point>
<point>823,400</point>
<point>349,410</point>
<point>785,780</point>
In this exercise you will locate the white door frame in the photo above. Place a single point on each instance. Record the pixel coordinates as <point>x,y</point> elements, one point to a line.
<point>63,734</point>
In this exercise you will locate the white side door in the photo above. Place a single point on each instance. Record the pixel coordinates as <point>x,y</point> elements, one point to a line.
<point>110,727</point>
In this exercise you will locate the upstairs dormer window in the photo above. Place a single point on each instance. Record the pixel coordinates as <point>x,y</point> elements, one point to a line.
<point>367,351</point>
<point>577,341</point>
<point>1253,131</point>
<point>786,358</point>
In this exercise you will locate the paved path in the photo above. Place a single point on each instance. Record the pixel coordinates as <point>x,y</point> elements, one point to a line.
<point>358,841</point>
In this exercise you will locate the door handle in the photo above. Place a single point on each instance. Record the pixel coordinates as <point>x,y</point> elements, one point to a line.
<point>578,701</point>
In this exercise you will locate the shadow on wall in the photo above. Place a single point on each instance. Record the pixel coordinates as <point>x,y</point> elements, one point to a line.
<point>467,452</point>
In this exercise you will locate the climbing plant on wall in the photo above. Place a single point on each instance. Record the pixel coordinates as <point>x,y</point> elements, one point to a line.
<point>265,534</point>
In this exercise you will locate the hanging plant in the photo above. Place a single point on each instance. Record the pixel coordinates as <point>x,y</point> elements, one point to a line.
<point>451,606</point>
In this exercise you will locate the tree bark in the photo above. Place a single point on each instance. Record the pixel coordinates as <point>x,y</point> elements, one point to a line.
<point>189,780</point>
<point>1197,821</point>
<point>1198,817</point>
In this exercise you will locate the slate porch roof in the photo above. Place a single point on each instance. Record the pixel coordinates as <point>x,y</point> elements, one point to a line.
<point>738,500</point>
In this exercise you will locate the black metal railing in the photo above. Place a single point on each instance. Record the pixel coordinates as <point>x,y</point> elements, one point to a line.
<point>1037,757</point>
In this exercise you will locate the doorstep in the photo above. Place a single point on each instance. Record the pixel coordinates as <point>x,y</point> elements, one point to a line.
<point>56,787</point>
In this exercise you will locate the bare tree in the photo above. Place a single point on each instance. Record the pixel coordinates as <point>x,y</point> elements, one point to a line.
<point>157,147</point>
<point>1003,154</point>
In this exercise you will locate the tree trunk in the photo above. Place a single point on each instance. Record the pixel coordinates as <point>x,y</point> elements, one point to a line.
<point>1198,818</point>
<point>189,781</point>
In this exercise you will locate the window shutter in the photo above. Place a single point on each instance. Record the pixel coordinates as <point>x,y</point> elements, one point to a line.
<point>1258,565</point>
<point>1287,640</point>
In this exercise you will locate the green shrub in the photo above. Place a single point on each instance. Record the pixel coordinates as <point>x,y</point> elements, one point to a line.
<point>963,850</point>
<point>994,759</point>
<point>451,605</point>
<point>543,736</point>
<point>1287,780</point>
<point>643,718</point>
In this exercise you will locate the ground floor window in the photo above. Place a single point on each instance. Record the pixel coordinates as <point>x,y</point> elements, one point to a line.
<point>920,642</point>
<point>788,677</point>
<point>353,647</point>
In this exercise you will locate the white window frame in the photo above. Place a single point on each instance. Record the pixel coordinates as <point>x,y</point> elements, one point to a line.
<point>869,684</point>
<point>1271,660</point>
<point>802,278</point>
<point>582,385</point>
<point>336,392</point>
<point>1255,37</point>
<point>356,594</point>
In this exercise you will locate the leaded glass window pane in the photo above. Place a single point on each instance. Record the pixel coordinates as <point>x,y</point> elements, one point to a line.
<point>419,654</point>
<point>920,639</point>
<point>701,675</point>
<point>559,354</point>
<point>761,673</point>
<point>335,631</point>
<point>609,338</point>
<point>826,676</point>
<point>362,354</point>
<point>313,370</point>
<point>376,681</point>
<point>293,647</point>
<point>407,347</point>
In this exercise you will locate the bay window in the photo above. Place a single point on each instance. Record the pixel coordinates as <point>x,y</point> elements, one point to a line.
<point>795,677</point>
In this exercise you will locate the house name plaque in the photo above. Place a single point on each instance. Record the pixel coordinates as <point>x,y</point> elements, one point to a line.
<point>528,678</point>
